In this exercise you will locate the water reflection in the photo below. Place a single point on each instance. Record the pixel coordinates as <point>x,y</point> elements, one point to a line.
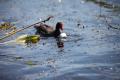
<point>106,4</point>
<point>60,43</point>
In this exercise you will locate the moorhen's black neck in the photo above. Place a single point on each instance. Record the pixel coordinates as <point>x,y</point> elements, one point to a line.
<point>59,26</point>
<point>57,33</point>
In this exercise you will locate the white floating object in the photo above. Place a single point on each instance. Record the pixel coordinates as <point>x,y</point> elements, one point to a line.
<point>63,35</point>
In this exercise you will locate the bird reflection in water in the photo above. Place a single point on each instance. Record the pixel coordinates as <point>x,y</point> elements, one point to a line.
<point>60,42</point>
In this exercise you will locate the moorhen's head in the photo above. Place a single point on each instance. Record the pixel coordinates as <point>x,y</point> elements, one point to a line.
<point>59,26</point>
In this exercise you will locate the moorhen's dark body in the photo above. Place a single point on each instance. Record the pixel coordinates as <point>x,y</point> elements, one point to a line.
<point>48,31</point>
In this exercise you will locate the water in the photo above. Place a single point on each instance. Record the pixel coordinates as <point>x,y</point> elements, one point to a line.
<point>91,51</point>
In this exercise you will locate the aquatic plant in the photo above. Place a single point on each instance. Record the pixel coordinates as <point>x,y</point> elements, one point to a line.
<point>6,26</point>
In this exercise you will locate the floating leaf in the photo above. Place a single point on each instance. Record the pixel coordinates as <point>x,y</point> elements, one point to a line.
<point>28,39</point>
<point>24,39</point>
<point>21,39</point>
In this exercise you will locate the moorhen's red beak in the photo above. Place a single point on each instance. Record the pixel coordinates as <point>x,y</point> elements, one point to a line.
<point>61,27</point>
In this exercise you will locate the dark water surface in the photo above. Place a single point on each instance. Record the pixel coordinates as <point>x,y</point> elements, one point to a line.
<point>92,49</point>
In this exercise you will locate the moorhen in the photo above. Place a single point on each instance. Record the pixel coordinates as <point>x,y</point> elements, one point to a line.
<point>48,31</point>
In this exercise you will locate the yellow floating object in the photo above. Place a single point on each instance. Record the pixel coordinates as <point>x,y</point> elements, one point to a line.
<point>28,38</point>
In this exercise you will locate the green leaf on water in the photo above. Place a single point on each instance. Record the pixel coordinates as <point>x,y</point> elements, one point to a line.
<point>28,39</point>
<point>32,38</point>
